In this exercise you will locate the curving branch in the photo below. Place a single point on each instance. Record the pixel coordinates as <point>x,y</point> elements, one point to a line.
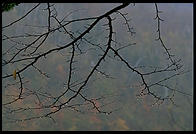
<point>72,95</point>
<point>21,17</point>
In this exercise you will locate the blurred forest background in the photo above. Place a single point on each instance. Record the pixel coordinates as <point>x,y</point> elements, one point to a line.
<point>133,114</point>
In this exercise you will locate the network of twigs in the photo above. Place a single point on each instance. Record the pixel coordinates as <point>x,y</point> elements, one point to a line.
<point>55,103</point>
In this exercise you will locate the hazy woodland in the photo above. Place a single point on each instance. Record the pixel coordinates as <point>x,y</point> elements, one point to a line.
<point>129,112</point>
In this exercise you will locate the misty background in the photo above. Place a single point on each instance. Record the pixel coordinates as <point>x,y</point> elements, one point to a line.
<point>132,114</point>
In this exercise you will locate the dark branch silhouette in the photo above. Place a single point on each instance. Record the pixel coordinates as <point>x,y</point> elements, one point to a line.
<point>29,54</point>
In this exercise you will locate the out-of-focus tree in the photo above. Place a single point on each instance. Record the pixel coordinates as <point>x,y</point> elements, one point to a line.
<point>29,56</point>
<point>8,6</point>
